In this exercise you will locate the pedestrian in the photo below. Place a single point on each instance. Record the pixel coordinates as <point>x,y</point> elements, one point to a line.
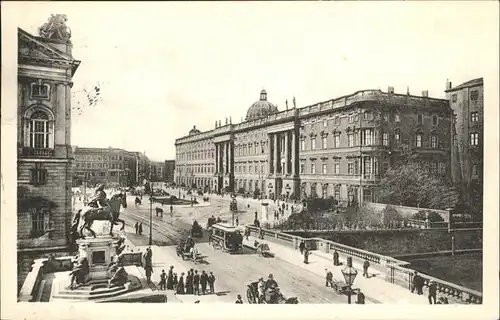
<point>180,284</point>
<point>196,283</point>
<point>302,246</point>
<point>175,281</point>
<point>189,283</point>
<point>211,282</point>
<point>366,265</point>
<point>163,280</point>
<point>306,256</point>
<point>238,300</point>
<point>329,278</point>
<point>237,221</point>
<point>136,227</point>
<point>149,271</point>
<point>171,210</point>
<point>140,229</point>
<point>203,282</point>
<point>170,278</point>
<point>336,258</point>
<point>432,292</point>
<point>417,283</point>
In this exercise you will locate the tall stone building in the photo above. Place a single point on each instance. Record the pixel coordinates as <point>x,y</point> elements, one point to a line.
<point>113,166</point>
<point>340,147</point>
<point>45,71</point>
<point>169,170</point>
<point>466,101</point>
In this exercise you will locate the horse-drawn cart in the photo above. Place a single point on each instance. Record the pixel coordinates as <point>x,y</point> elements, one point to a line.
<point>270,297</point>
<point>189,254</point>
<point>263,250</point>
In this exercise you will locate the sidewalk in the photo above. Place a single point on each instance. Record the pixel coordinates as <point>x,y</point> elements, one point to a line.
<point>375,288</point>
<point>163,258</point>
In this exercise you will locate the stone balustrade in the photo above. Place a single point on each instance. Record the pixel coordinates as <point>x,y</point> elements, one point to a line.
<point>396,271</point>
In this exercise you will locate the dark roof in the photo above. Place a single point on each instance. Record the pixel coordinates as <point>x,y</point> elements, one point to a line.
<point>470,83</point>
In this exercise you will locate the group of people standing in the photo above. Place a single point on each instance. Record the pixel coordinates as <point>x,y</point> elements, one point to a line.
<point>138,228</point>
<point>193,283</point>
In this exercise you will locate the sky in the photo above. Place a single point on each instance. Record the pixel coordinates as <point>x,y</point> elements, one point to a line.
<point>165,67</point>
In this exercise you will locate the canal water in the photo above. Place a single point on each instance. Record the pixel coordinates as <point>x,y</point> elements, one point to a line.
<point>463,269</point>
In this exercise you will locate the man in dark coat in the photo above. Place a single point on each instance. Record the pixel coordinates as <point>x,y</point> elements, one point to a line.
<point>189,283</point>
<point>136,228</point>
<point>366,265</point>
<point>196,283</point>
<point>170,278</point>
<point>211,282</point>
<point>329,278</point>
<point>336,258</point>
<point>432,291</point>
<point>163,280</point>
<point>203,282</point>
<point>302,246</point>
<point>238,300</point>
<point>180,284</point>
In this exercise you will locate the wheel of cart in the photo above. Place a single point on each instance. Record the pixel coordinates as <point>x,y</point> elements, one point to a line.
<point>252,293</point>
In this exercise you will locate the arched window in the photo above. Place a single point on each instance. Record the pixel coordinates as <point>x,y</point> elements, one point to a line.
<point>39,130</point>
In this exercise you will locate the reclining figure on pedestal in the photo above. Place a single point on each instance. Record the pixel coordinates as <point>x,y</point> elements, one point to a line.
<point>79,273</point>
<point>119,275</point>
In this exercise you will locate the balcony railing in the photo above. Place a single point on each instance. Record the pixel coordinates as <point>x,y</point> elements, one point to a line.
<point>36,152</point>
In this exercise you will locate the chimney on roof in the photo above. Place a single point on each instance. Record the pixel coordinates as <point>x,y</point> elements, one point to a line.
<point>390,90</point>
<point>425,93</point>
<point>448,84</point>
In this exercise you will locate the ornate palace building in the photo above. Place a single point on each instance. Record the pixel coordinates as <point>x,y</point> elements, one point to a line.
<point>340,147</point>
<point>45,71</point>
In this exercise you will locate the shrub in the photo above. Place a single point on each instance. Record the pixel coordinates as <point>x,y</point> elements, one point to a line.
<point>433,216</point>
<point>391,214</point>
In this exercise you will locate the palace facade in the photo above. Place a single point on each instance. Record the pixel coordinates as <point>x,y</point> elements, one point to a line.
<point>340,147</point>
<point>44,158</point>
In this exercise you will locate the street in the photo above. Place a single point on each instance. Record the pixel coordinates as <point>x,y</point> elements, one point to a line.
<point>233,272</point>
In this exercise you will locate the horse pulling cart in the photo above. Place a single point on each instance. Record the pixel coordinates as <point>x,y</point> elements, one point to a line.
<point>270,297</point>
<point>190,254</point>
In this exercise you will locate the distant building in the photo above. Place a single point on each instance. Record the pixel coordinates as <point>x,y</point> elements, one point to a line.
<point>467,103</point>
<point>340,147</point>
<point>158,170</point>
<point>44,158</point>
<point>115,167</point>
<point>169,170</point>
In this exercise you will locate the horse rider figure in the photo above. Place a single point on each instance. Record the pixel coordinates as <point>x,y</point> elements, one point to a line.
<point>99,200</point>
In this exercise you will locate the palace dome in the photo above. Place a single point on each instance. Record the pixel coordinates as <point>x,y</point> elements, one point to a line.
<point>261,108</point>
<point>194,131</point>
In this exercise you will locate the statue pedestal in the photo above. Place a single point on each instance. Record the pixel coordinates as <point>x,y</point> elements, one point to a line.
<point>98,252</point>
<point>265,212</point>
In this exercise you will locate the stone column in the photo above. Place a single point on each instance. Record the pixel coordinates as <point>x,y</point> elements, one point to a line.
<point>294,160</point>
<point>276,153</point>
<point>60,114</point>
<point>230,169</point>
<point>269,154</point>
<point>286,169</point>
<point>217,158</point>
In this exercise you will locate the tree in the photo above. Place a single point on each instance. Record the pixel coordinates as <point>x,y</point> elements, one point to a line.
<point>423,215</point>
<point>410,184</point>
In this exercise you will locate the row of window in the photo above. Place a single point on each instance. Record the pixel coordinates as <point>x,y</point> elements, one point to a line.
<point>97,158</point>
<point>102,165</point>
<point>474,94</point>
<point>369,137</point>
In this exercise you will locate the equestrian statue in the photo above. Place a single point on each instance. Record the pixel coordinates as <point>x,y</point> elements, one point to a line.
<point>101,209</point>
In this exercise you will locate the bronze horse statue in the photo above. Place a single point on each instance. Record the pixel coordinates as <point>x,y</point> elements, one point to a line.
<point>110,213</point>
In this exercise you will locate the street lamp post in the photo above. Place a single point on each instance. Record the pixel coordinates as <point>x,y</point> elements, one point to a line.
<point>150,214</point>
<point>349,274</point>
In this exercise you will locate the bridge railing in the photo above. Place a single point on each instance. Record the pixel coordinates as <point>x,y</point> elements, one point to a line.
<point>396,270</point>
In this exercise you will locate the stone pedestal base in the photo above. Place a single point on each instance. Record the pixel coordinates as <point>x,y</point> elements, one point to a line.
<point>97,250</point>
